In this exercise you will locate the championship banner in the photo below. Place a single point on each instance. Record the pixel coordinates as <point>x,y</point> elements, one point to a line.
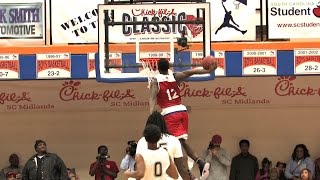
<point>294,19</point>
<point>9,66</point>
<point>114,59</point>
<point>74,25</point>
<point>259,62</point>
<point>197,57</point>
<point>233,20</point>
<point>307,61</point>
<point>53,66</point>
<point>22,20</point>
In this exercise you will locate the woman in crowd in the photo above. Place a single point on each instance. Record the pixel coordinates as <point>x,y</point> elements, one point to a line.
<point>300,159</point>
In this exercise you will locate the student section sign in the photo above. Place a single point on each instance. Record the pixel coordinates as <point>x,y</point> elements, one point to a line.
<point>294,19</point>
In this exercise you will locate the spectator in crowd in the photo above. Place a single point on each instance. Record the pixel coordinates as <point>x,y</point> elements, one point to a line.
<point>11,176</point>
<point>244,166</point>
<point>129,162</point>
<point>44,165</point>
<point>103,169</point>
<point>300,159</point>
<point>274,174</point>
<point>281,168</point>
<point>305,174</point>
<point>72,174</point>
<point>14,167</point>
<point>317,169</point>
<point>263,173</point>
<point>218,158</point>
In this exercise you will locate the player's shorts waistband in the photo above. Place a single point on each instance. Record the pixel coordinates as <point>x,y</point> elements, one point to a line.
<point>173,109</point>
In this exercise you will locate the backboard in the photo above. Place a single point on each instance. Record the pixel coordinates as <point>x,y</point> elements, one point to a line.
<point>149,25</point>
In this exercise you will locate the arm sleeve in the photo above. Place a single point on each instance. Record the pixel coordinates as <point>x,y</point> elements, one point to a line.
<point>124,165</point>
<point>62,169</point>
<point>232,170</point>
<point>224,158</point>
<point>287,171</point>
<point>310,166</point>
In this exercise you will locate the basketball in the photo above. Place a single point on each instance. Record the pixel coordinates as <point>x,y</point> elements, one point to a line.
<point>207,62</point>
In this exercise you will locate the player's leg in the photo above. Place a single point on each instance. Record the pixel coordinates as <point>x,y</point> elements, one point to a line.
<point>177,125</point>
<point>203,167</point>
<point>174,128</point>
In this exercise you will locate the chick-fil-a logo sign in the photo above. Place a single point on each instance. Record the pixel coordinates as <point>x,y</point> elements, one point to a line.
<point>286,87</point>
<point>217,93</point>
<point>14,97</point>
<point>70,92</point>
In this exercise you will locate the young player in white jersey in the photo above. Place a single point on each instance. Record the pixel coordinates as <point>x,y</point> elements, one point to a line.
<point>153,163</point>
<point>168,142</point>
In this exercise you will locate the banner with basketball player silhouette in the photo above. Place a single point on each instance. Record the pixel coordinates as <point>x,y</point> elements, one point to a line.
<point>233,20</point>
<point>293,19</point>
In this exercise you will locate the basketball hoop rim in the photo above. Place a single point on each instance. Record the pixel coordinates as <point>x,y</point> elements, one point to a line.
<point>236,3</point>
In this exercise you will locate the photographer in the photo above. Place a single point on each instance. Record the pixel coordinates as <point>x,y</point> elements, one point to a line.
<point>218,158</point>
<point>103,169</point>
<point>128,162</point>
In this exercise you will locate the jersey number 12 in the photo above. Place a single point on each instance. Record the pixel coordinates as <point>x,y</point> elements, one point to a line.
<point>172,94</point>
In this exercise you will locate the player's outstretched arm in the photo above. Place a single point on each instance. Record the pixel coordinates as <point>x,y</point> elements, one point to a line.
<point>140,168</point>
<point>153,95</point>
<point>182,169</point>
<point>182,76</point>
<point>172,170</point>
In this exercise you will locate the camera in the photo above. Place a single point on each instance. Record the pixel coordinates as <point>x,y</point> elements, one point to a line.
<point>103,155</point>
<point>132,148</point>
<point>213,146</point>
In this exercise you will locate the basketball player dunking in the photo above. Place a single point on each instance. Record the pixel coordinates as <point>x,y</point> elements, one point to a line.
<point>165,91</point>
<point>153,163</point>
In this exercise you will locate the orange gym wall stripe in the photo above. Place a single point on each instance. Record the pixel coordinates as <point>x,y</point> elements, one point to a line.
<point>130,48</point>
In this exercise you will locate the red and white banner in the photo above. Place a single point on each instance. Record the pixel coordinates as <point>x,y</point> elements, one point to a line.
<point>88,95</point>
<point>294,19</point>
<point>53,66</point>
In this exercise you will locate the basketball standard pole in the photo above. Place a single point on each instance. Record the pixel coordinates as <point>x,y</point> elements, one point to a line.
<point>109,21</point>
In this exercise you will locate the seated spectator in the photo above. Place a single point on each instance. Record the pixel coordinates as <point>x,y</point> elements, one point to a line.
<point>300,159</point>
<point>11,176</point>
<point>274,174</point>
<point>263,173</point>
<point>13,168</point>
<point>72,174</point>
<point>305,174</point>
<point>281,168</point>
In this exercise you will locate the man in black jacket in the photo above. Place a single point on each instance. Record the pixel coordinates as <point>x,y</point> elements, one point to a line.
<point>244,166</point>
<point>44,165</point>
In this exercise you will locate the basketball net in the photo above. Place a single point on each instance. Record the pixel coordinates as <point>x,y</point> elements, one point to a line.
<point>237,4</point>
<point>149,69</point>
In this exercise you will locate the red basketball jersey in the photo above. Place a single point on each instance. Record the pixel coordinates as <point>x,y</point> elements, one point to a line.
<point>169,91</point>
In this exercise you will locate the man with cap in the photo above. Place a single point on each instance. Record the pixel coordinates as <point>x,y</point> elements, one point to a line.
<point>44,165</point>
<point>218,158</point>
